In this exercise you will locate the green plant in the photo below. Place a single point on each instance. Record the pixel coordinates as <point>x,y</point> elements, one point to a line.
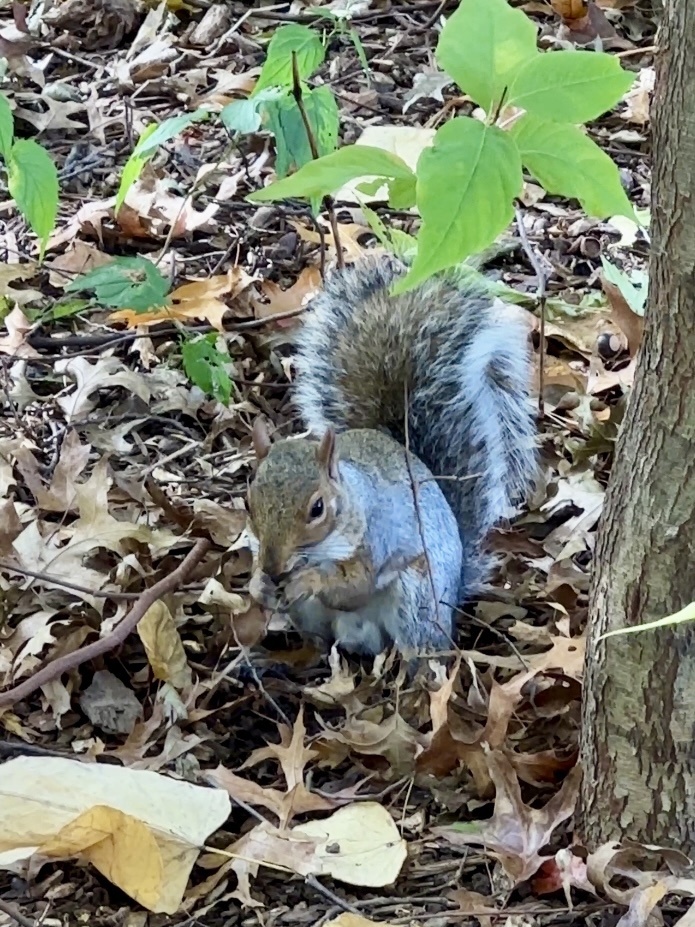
<point>465,184</point>
<point>634,286</point>
<point>136,283</point>
<point>32,178</point>
<point>125,283</point>
<point>152,137</point>
<point>206,365</point>
<point>273,102</point>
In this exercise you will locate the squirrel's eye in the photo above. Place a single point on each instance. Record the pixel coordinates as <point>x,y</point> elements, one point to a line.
<point>316,510</point>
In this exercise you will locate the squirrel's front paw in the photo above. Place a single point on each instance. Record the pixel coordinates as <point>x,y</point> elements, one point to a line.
<point>263,590</point>
<point>303,585</point>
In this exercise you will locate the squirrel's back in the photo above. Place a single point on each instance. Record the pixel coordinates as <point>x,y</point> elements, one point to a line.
<point>448,353</point>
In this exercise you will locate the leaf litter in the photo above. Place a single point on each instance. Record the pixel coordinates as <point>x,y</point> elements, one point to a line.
<point>252,773</point>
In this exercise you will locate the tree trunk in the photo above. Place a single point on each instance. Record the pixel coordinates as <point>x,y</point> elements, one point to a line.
<point>638,731</point>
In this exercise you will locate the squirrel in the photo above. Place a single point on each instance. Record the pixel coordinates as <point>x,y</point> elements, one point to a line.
<point>369,532</point>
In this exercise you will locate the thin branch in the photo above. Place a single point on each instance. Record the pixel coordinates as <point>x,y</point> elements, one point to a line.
<point>327,893</point>
<point>16,915</point>
<point>541,281</point>
<point>103,342</point>
<point>64,584</point>
<point>327,200</point>
<point>309,19</point>
<point>145,601</point>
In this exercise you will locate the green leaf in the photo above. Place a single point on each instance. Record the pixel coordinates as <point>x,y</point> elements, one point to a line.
<point>466,184</point>
<point>126,283</point>
<point>567,162</point>
<point>634,288</point>
<point>685,614</point>
<point>328,174</point>
<point>149,142</point>
<point>403,245</point>
<point>286,123</point>
<point>68,307</point>
<point>570,86</point>
<point>244,116</point>
<point>482,45</point>
<point>133,168</point>
<point>153,137</point>
<point>206,366</point>
<point>361,53</point>
<point>32,180</point>
<point>6,127</point>
<point>277,68</point>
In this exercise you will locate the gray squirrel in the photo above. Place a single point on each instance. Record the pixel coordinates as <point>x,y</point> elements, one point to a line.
<point>337,520</point>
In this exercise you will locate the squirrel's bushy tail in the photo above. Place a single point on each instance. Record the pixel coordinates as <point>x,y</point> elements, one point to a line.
<point>450,354</point>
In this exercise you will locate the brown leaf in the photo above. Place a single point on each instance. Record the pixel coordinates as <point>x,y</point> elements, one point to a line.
<point>517,833</point>
<point>15,341</point>
<point>583,22</point>
<point>457,741</point>
<point>197,300</point>
<point>475,905</point>
<point>571,10</point>
<point>276,300</point>
<point>631,324</point>
<point>284,805</point>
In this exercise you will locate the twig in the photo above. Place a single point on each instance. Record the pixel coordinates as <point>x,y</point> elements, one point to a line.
<point>488,627</point>
<point>309,19</point>
<point>327,200</point>
<point>540,297</point>
<point>72,660</point>
<point>64,584</point>
<point>336,899</point>
<point>16,915</point>
<point>102,342</point>
<point>431,22</point>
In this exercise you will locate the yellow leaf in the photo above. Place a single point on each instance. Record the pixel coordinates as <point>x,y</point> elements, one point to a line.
<point>200,299</point>
<point>359,844</point>
<point>120,846</point>
<point>162,642</point>
<point>112,816</point>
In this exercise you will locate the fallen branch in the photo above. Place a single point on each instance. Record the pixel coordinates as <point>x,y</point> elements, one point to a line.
<point>16,914</point>
<point>72,660</point>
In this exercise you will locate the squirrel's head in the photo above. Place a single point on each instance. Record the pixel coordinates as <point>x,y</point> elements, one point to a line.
<point>294,499</point>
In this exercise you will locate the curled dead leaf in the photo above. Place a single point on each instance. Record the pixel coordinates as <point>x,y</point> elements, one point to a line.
<point>630,323</point>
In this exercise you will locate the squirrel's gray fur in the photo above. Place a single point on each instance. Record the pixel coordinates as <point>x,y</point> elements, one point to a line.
<point>456,359</point>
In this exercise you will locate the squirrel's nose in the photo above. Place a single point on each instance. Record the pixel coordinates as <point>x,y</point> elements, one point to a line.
<point>274,571</point>
<point>276,577</point>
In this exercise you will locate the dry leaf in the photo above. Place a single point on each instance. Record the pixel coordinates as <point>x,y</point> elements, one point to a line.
<point>359,844</point>
<point>197,300</point>
<point>276,300</point>
<point>348,919</point>
<point>104,373</point>
<point>637,99</point>
<point>284,805</point>
<point>160,637</point>
<point>631,324</point>
<point>109,704</point>
<point>15,341</point>
<point>141,830</point>
<point>517,833</point>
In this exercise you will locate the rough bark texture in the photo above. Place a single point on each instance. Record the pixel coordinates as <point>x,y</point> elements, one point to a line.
<point>638,749</point>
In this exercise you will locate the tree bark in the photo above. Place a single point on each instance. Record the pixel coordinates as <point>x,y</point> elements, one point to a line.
<point>638,731</point>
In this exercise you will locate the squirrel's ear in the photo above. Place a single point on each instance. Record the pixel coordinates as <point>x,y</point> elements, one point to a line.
<point>260,439</point>
<point>327,453</point>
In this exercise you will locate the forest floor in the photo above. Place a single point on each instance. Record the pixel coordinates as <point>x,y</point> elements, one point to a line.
<point>455,790</point>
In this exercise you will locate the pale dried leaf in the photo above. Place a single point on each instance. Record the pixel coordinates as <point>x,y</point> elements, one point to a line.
<point>154,825</point>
